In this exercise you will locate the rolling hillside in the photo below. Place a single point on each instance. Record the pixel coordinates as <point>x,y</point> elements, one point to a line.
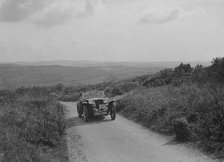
<point>13,76</point>
<point>155,64</point>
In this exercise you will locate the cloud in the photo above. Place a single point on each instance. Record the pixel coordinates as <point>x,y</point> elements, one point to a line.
<point>45,13</point>
<point>53,16</point>
<point>19,10</point>
<point>88,9</point>
<point>163,15</point>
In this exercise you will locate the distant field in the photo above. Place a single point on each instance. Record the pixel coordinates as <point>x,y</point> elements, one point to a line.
<point>168,64</point>
<point>13,76</point>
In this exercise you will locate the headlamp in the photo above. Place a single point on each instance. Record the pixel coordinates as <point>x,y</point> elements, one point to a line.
<point>91,101</point>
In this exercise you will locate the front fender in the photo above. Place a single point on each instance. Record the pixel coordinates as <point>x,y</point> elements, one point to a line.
<point>110,104</point>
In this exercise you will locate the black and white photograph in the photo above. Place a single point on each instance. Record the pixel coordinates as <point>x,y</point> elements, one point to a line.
<point>111,80</point>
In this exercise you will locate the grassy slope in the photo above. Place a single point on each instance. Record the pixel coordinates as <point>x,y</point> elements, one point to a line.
<point>32,126</point>
<point>193,113</point>
<point>189,106</point>
<point>12,76</point>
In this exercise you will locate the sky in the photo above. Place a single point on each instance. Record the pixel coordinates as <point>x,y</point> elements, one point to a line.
<point>111,30</point>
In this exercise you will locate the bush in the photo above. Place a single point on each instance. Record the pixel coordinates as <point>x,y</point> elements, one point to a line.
<point>181,129</point>
<point>31,122</point>
<point>191,112</point>
<point>217,69</point>
<point>70,97</point>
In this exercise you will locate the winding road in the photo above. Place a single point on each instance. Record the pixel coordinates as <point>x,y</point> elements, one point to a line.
<point>103,140</point>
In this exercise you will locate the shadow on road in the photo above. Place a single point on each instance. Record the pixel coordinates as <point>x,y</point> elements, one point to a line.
<point>77,121</point>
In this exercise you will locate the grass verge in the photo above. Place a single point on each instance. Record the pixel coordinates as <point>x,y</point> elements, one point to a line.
<point>191,112</point>
<point>32,126</point>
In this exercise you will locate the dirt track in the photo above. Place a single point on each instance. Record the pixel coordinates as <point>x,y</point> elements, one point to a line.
<point>121,141</point>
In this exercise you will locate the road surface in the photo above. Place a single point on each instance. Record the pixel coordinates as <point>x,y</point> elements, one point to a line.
<point>103,140</point>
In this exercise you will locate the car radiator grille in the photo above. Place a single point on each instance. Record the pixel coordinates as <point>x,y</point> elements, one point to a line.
<point>98,103</point>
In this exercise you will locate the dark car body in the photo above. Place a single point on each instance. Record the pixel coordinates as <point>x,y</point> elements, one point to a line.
<point>95,103</point>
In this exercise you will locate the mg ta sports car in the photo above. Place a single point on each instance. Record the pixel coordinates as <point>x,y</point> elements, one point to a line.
<point>95,103</point>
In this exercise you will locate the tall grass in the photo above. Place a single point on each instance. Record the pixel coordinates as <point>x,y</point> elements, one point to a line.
<point>31,122</point>
<point>192,112</point>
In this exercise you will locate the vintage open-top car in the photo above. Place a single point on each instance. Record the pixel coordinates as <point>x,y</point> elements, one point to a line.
<point>94,103</point>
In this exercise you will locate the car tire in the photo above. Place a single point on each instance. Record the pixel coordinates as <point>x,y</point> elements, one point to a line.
<point>113,112</point>
<point>85,113</point>
<point>79,110</point>
<point>79,114</point>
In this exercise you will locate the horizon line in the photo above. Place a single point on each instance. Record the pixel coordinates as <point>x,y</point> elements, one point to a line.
<point>99,61</point>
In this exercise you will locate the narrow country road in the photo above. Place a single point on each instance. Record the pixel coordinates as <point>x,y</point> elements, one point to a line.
<point>103,140</point>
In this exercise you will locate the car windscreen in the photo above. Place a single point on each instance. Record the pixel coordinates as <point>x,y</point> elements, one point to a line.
<point>93,94</point>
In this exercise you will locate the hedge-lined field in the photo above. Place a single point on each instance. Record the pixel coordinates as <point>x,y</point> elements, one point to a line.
<point>193,113</point>
<point>32,125</point>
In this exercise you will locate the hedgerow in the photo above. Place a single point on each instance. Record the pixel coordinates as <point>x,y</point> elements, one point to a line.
<point>31,124</point>
<point>191,112</point>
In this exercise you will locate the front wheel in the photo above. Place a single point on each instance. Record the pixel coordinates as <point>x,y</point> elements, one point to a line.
<point>113,112</point>
<point>79,110</point>
<point>85,113</point>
